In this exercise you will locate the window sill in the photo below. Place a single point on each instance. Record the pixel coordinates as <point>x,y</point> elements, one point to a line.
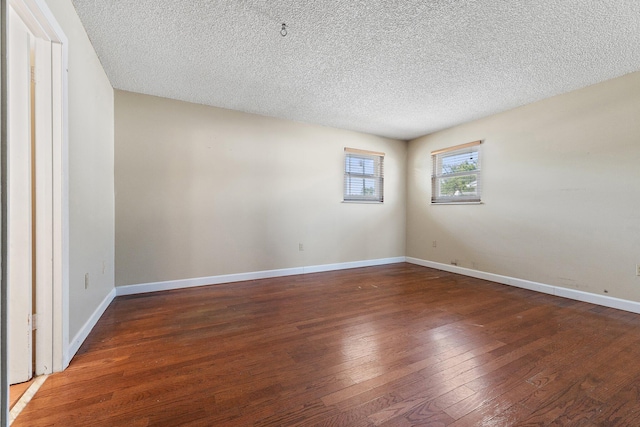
<point>366,202</point>
<point>456,203</point>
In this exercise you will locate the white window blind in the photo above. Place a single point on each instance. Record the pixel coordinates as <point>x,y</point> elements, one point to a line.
<point>456,176</point>
<point>363,176</point>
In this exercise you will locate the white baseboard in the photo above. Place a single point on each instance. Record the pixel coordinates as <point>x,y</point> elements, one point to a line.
<point>354,264</point>
<point>603,300</point>
<point>83,333</point>
<point>240,277</point>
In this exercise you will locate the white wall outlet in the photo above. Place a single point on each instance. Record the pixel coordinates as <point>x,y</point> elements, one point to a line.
<point>637,269</point>
<point>86,280</point>
<point>300,247</point>
<point>434,243</point>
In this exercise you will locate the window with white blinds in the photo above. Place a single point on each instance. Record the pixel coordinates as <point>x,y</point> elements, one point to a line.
<point>456,175</point>
<point>363,176</point>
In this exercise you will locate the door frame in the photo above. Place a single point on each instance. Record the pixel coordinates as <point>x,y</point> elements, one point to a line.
<point>4,381</point>
<point>52,244</point>
<point>20,204</point>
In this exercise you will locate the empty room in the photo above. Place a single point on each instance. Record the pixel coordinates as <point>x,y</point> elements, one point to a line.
<point>330,213</point>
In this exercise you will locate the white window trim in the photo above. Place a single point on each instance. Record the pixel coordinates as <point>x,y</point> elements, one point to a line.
<point>436,157</point>
<point>378,175</point>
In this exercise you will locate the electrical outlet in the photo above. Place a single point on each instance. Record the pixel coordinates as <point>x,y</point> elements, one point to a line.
<point>637,269</point>
<point>300,247</point>
<point>434,243</point>
<point>86,280</point>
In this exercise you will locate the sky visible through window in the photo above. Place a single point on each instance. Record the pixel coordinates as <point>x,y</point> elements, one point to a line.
<point>450,164</point>
<point>360,186</point>
<point>361,176</point>
<point>461,184</point>
<point>360,165</point>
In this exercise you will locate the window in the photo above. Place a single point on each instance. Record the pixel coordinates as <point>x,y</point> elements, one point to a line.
<point>456,174</point>
<point>363,176</point>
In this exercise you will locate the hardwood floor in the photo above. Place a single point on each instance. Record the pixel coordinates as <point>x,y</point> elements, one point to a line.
<point>396,345</point>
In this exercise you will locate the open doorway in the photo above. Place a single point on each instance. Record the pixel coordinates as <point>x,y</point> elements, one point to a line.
<point>36,192</point>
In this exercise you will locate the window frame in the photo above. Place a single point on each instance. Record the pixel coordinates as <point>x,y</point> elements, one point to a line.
<point>437,174</point>
<point>377,176</point>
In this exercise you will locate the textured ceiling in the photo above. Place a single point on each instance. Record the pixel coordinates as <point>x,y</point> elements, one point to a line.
<point>394,68</point>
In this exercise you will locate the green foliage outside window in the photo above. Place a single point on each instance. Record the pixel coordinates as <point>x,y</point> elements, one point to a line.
<point>459,185</point>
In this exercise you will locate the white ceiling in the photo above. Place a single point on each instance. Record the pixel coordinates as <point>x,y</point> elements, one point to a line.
<point>393,68</point>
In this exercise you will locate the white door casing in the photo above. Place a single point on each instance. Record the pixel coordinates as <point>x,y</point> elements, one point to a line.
<point>43,165</point>
<point>50,184</point>
<point>19,235</point>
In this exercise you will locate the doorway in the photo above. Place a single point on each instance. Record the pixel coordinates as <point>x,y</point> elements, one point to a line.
<point>36,192</point>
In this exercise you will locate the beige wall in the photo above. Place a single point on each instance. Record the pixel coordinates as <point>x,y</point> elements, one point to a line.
<point>561,193</point>
<point>202,191</point>
<point>90,164</point>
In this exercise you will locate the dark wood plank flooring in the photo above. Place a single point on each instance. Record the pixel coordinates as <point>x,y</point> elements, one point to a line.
<point>396,345</point>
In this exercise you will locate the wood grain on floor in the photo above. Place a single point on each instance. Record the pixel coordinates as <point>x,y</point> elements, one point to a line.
<point>395,345</point>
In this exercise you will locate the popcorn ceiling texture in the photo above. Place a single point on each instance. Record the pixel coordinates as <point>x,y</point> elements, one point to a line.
<point>393,68</point>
